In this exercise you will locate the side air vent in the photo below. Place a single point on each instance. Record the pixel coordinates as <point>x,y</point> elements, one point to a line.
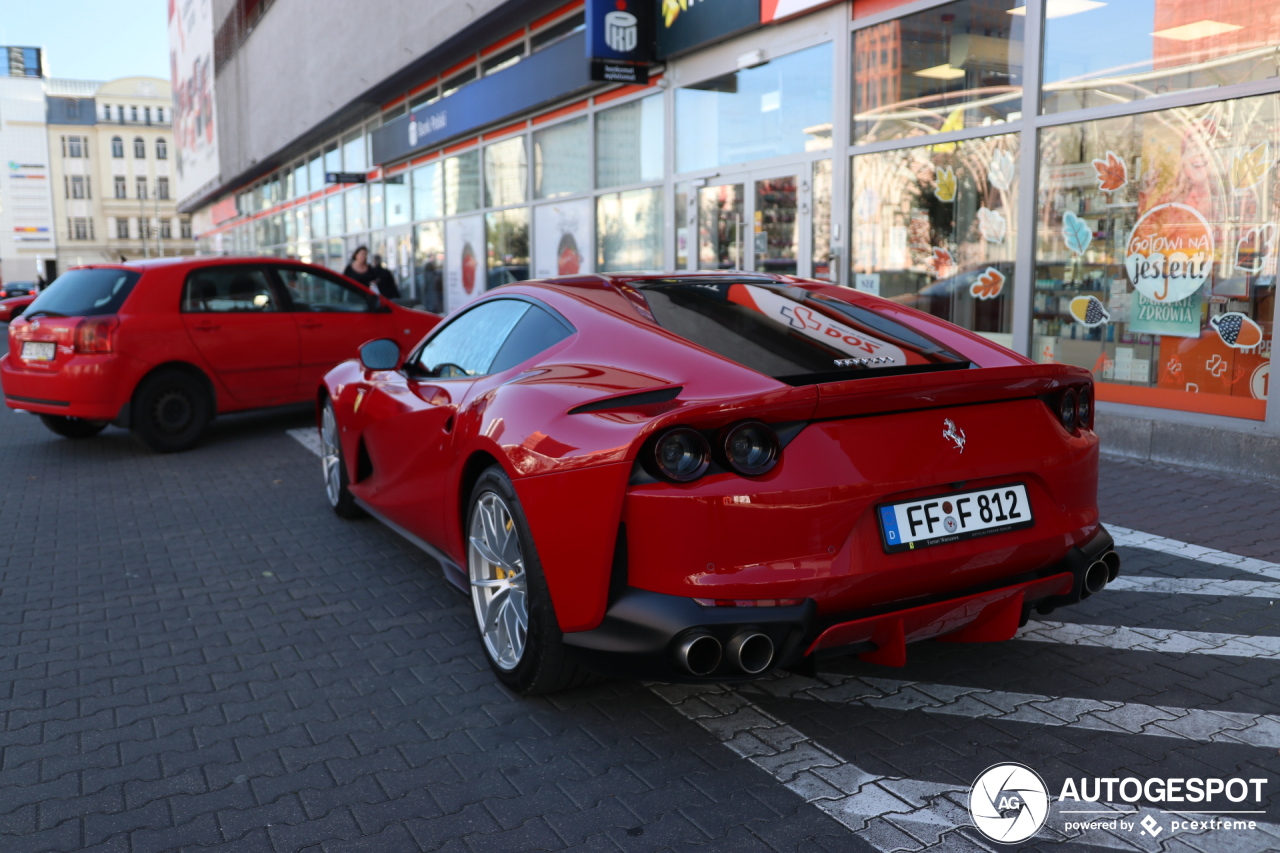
<point>629,401</point>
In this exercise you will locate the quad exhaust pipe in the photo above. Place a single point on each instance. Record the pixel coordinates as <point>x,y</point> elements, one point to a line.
<point>749,651</point>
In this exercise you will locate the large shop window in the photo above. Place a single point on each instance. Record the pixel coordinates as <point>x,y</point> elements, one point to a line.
<point>317,220</point>
<point>334,206</point>
<point>562,160</point>
<point>428,192</point>
<point>629,143</point>
<point>1104,53</point>
<point>933,228</point>
<point>357,205</point>
<point>428,265</point>
<point>397,190</point>
<point>629,230</point>
<point>944,69</point>
<point>1156,254</point>
<point>462,183</point>
<point>508,249</point>
<point>377,205</point>
<point>506,173</point>
<point>781,107</point>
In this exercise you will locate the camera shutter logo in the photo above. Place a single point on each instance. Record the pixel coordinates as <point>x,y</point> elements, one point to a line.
<point>621,31</point>
<point>1008,803</point>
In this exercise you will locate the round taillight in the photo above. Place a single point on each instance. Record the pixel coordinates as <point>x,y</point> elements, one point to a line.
<point>681,454</point>
<point>1067,410</point>
<point>1084,408</point>
<point>750,448</point>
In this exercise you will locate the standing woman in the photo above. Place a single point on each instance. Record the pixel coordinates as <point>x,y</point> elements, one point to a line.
<point>360,269</point>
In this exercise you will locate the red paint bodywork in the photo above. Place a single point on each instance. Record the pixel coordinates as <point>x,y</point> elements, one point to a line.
<point>14,305</point>
<point>251,360</point>
<point>806,529</point>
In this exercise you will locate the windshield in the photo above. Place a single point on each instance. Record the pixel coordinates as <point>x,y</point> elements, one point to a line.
<point>84,293</point>
<point>791,334</point>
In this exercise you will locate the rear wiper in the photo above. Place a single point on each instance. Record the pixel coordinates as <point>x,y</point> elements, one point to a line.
<point>41,313</point>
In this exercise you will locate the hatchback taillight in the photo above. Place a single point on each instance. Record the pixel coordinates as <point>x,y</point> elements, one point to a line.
<point>94,334</point>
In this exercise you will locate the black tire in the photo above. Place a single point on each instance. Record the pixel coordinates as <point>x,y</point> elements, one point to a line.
<point>545,665</point>
<point>68,427</point>
<point>171,410</point>
<point>339,496</point>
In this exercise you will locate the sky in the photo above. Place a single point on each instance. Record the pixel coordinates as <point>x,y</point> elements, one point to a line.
<point>92,39</point>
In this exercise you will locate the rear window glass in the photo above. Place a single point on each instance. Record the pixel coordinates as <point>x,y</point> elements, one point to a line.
<point>792,334</point>
<point>84,293</point>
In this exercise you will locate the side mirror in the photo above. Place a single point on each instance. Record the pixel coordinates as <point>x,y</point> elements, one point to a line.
<point>382,354</point>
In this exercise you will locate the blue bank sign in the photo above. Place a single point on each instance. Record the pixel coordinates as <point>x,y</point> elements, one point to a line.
<point>542,78</point>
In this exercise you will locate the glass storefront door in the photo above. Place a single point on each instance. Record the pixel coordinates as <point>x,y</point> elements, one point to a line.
<point>755,222</point>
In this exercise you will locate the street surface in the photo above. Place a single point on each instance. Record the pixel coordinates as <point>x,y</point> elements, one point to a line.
<point>198,655</point>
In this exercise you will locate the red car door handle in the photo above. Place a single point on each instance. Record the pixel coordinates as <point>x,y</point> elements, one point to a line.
<point>206,327</point>
<point>311,325</point>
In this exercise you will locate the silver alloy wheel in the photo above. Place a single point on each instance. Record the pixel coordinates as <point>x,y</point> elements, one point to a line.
<point>329,458</point>
<point>495,563</point>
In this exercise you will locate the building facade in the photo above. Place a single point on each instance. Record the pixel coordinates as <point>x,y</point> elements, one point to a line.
<point>27,235</point>
<point>1084,182</point>
<point>110,155</point>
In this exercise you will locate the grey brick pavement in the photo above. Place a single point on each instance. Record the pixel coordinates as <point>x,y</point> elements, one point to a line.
<point>195,653</point>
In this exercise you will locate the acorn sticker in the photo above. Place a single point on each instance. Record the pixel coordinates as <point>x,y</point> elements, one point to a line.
<point>1237,330</point>
<point>1088,311</point>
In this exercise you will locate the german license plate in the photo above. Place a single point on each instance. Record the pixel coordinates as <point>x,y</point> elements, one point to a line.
<point>38,350</point>
<point>954,517</point>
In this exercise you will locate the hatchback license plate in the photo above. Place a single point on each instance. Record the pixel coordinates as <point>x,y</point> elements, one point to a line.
<point>954,517</point>
<point>38,350</point>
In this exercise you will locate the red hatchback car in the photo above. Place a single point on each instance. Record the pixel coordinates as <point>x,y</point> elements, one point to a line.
<point>14,306</point>
<point>706,476</point>
<point>163,346</point>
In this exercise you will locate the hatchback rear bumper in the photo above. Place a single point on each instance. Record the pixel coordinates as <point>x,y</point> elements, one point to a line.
<point>86,386</point>
<point>647,634</point>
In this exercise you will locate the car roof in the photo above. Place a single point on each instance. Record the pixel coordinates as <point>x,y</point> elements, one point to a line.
<point>144,264</point>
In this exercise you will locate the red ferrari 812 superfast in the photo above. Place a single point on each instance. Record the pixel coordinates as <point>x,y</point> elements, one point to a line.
<point>704,477</point>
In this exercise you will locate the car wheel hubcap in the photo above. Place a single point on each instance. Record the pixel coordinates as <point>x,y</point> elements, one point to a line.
<point>172,412</point>
<point>495,563</point>
<point>329,459</point>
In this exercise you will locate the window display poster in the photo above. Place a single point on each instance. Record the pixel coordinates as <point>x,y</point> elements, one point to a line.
<point>464,261</point>
<point>562,242</point>
<point>1179,319</point>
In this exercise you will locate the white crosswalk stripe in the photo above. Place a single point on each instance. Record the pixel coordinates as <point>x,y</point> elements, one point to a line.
<point>1137,539</point>
<point>308,437</point>
<point>1151,640</point>
<point>1260,730</point>
<point>1197,586</point>
<point>895,814</point>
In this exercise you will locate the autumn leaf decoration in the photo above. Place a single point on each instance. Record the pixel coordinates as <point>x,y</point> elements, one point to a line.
<point>1001,171</point>
<point>1112,173</point>
<point>946,188</point>
<point>942,261</point>
<point>988,285</point>
<point>1247,169</point>
<point>1076,233</point>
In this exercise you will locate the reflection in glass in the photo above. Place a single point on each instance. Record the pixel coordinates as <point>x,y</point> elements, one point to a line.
<point>315,174</point>
<point>720,211</point>
<point>397,190</point>
<point>629,143</point>
<point>337,221</point>
<point>332,159</point>
<point>1123,200</point>
<point>781,107</point>
<point>318,228</point>
<point>507,234</point>
<point>562,160</point>
<point>299,180</point>
<point>629,230</point>
<point>353,155</point>
<point>336,257</point>
<point>377,210</point>
<point>428,192</point>
<point>1104,53</point>
<point>462,183</point>
<point>775,237</point>
<point>357,207</point>
<point>428,266</point>
<point>934,228</point>
<point>944,69</point>
<point>821,239</point>
<point>506,173</point>
<point>682,215</point>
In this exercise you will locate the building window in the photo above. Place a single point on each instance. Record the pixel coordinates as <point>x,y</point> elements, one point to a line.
<point>142,187</point>
<point>120,113</point>
<point>122,228</point>
<point>457,81</point>
<point>79,186</point>
<point>629,144</point>
<point>73,108</point>
<point>146,112</point>
<point>159,115</point>
<point>166,229</point>
<point>558,30</point>
<point>133,113</point>
<point>106,112</point>
<point>74,147</point>
<point>562,159</point>
<point>502,59</point>
<point>117,146</point>
<point>81,228</point>
<point>162,189</point>
<point>184,228</point>
<point>139,148</point>
<point>162,149</point>
<point>144,227</point>
<point>120,191</point>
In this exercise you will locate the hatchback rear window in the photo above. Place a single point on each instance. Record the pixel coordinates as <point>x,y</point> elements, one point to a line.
<point>84,293</point>
<point>792,334</point>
